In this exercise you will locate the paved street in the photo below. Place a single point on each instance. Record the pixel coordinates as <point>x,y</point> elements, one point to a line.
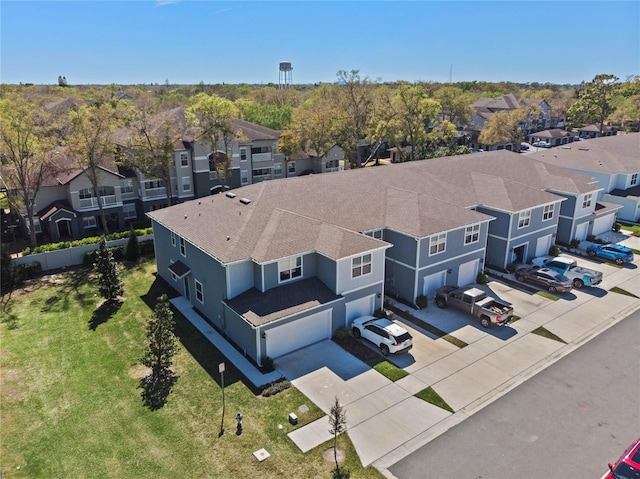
<point>569,421</point>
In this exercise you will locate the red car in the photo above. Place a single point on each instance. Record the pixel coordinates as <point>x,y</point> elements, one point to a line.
<point>628,466</point>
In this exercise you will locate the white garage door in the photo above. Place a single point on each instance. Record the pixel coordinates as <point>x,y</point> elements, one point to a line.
<point>542,245</point>
<point>298,334</point>
<point>433,282</point>
<point>602,225</point>
<point>359,307</point>
<point>468,272</point>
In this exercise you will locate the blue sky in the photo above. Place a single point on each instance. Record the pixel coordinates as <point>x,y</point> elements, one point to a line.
<point>189,41</point>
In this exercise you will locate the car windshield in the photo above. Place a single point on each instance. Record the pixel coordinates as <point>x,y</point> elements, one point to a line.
<point>625,471</point>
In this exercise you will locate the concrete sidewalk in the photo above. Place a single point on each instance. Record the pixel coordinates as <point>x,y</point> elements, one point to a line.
<point>386,422</point>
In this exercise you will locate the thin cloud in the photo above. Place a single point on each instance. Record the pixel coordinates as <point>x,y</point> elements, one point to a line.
<point>162,3</point>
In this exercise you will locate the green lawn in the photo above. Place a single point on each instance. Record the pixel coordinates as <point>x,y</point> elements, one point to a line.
<point>71,408</point>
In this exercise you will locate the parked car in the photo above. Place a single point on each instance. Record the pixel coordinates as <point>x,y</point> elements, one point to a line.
<point>613,252</point>
<point>549,279</point>
<point>475,302</point>
<point>524,146</point>
<point>628,466</point>
<point>384,333</point>
<point>569,267</point>
<point>542,144</point>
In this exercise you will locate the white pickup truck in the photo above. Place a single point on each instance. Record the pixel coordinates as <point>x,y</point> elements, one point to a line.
<point>568,267</point>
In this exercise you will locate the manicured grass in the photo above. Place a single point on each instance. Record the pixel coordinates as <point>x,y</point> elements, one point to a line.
<point>542,331</point>
<point>71,407</point>
<point>618,290</point>
<point>514,318</point>
<point>434,398</point>
<point>548,295</point>
<point>635,229</point>
<point>389,370</point>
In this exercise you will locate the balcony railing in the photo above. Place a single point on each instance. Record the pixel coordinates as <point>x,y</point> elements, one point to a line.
<point>93,202</point>
<point>155,192</point>
<point>258,157</point>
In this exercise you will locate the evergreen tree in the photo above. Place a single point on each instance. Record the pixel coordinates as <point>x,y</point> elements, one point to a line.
<point>161,340</point>
<point>7,270</point>
<point>109,284</point>
<point>133,248</point>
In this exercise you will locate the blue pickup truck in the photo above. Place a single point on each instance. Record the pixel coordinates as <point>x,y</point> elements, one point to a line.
<point>568,267</point>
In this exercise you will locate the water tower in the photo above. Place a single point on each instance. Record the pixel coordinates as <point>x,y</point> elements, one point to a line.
<point>285,78</point>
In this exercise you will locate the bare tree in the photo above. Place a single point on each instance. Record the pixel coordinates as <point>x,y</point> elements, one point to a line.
<point>338,423</point>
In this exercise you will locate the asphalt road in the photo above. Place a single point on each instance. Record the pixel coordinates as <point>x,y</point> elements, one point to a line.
<point>567,422</point>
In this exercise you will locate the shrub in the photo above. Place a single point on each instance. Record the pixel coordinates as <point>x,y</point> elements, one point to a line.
<point>24,272</point>
<point>511,267</point>
<point>591,238</point>
<point>575,242</point>
<point>421,301</point>
<point>380,313</point>
<point>616,227</point>
<point>554,250</point>
<point>146,248</point>
<point>276,387</point>
<point>267,363</point>
<point>482,278</point>
<point>342,333</point>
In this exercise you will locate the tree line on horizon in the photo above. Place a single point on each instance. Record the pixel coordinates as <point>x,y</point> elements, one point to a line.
<point>38,124</point>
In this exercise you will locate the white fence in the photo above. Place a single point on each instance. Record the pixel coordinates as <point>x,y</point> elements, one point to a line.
<point>63,258</point>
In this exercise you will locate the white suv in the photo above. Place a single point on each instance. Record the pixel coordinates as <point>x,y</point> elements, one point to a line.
<point>384,333</point>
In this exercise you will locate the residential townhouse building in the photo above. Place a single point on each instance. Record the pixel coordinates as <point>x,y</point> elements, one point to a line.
<point>281,264</point>
<point>613,164</point>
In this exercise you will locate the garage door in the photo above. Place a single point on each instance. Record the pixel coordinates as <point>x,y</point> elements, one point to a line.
<point>542,245</point>
<point>433,282</point>
<point>359,307</point>
<point>298,334</point>
<point>602,225</point>
<point>468,272</point>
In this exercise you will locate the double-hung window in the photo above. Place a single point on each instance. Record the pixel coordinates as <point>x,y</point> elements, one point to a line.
<point>471,234</point>
<point>524,219</point>
<point>199,291</point>
<point>438,243</point>
<point>184,159</point>
<point>290,268</point>
<point>586,200</point>
<point>634,179</point>
<point>183,247</point>
<point>186,183</point>
<point>361,265</point>
<point>547,213</point>
<point>173,239</point>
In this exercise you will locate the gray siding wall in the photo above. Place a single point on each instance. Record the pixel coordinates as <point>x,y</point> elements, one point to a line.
<point>271,276</point>
<point>399,280</point>
<point>346,283</point>
<point>404,247</point>
<point>240,277</point>
<point>326,271</point>
<point>241,333</point>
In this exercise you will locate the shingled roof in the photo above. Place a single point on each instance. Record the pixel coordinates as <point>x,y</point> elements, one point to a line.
<point>327,213</point>
<point>609,154</point>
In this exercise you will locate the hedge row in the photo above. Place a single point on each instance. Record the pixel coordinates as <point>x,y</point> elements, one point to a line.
<point>84,241</point>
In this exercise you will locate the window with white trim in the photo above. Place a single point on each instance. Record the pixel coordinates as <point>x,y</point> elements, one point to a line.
<point>361,265</point>
<point>183,247</point>
<point>199,291</point>
<point>547,213</point>
<point>186,183</point>
<point>244,177</point>
<point>634,179</point>
<point>89,222</point>
<point>184,159</point>
<point>438,243</point>
<point>129,210</point>
<point>291,167</point>
<point>524,219</point>
<point>290,268</point>
<point>277,168</point>
<point>243,154</point>
<point>472,234</point>
<point>126,186</point>
<point>377,234</point>
<point>586,200</point>
<point>173,239</point>
<point>85,193</point>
